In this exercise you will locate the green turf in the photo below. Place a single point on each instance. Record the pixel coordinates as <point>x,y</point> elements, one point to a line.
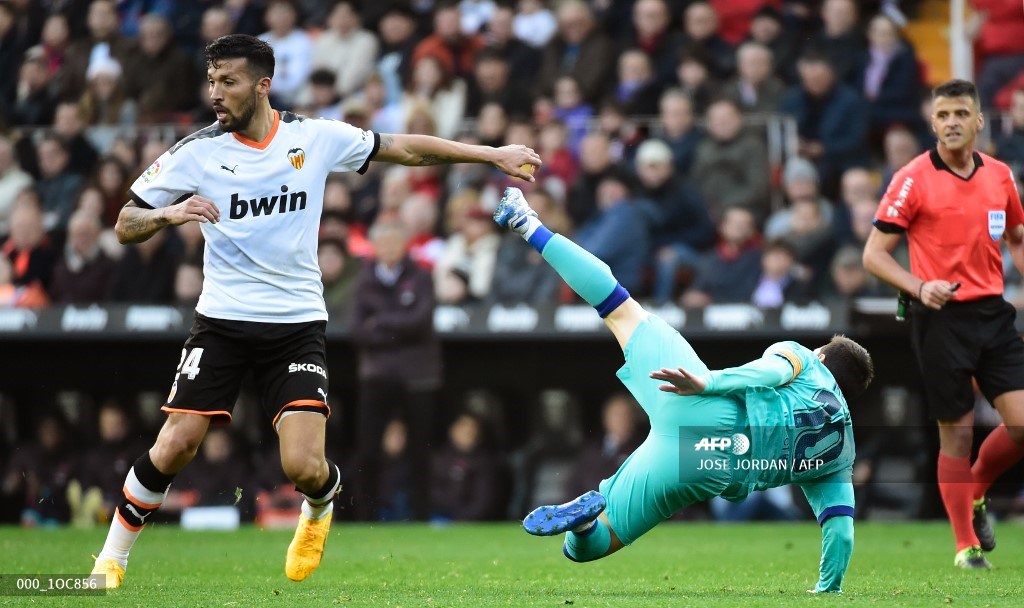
<point>499,565</point>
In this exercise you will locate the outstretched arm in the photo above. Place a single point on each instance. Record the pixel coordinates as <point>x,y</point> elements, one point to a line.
<point>422,150</point>
<point>136,224</point>
<point>831,499</point>
<point>836,549</point>
<point>770,370</point>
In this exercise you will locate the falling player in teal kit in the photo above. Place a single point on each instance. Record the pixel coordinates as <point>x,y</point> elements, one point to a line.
<point>780,419</point>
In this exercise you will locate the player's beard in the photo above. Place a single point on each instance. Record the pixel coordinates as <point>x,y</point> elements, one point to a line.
<point>240,122</point>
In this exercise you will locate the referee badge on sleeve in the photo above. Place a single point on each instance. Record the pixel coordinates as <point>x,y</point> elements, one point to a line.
<point>996,224</point>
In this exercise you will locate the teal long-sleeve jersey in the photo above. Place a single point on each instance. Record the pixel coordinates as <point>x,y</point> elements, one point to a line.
<point>800,432</point>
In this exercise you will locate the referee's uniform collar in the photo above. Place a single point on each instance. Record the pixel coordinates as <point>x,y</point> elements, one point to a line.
<point>940,165</point>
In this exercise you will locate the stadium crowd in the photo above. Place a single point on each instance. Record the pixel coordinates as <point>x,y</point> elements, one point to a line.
<point>650,116</point>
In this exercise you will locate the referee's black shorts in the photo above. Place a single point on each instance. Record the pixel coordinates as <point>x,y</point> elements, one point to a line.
<point>287,360</point>
<point>964,339</point>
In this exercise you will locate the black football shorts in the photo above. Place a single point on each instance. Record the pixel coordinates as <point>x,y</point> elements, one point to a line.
<point>288,362</point>
<point>962,340</point>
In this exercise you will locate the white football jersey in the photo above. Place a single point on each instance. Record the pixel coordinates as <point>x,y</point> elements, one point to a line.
<point>260,261</point>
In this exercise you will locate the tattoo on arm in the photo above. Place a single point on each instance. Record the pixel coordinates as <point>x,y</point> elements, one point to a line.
<point>386,142</point>
<point>135,225</point>
<point>434,159</point>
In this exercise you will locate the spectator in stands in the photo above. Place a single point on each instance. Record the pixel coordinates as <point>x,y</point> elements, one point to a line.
<point>1009,147</point>
<point>471,250</point>
<point>111,179</point>
<point>90,200</point>
<point>474,15</point>
<point>799,181</point>
<point>490,83</point>
<point>134,12</point>
<point>543,466</point>
<point>146,272</point>
<point>756,88</point>
<point>728,273</point>
<point>321,99</point>
<point>13,296</point>
<point>105,106</point>
<point>811,238</point>
<point>188,282</point>
<point>433,86</point>
<point>782,279</point>
<point>160,77</point>
<point>192,243</point>
<point>54,42</point>
<point>857,184</point>
<point>339,272</point>
<point>621,435</point>
<point>678,219</point>
<point>394,480</point>
<point>731,167</point>
<point>652,22</point>
<point>385,115</point>
<point>214,481</point>
<point>595,163</point>
<point>84,273</point>
<point>735,16</point>
<point>12,181</point>
<point>69,124</point>
<point>464,485</point>
<point>399,359</point>
<point>215,22</point>
<point>694,76</point>
<point>832,120</point>
<point>677,128</point>
<point>998,33</point>
<point>570,108</point>
<point>397,42</point>
<point>841,40</point>
<point>35,101</point>
<point>534,23</point>
<point>58,185</point>
<point>522,52</point>
<point>491,123</point>
<point>890,79</point>
<point>104,41</point>
<point>619,233</point>
<point>345,47</point>
<point>700,34</point>
<point>581,50</point>
<point>559,160</point>
<point>637,89</point>
<point>533,282</point>
<point>448,45</point>
<point>849,280</point>
<point>293,51</point>
<point>900,146</point>
<point>10,54</point>
<point>767,28</point>
<point>246,16</point>
<point>38,473</point>
<point>101,470</point>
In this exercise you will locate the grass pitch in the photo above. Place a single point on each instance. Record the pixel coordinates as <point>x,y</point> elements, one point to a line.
<point>500,565</point>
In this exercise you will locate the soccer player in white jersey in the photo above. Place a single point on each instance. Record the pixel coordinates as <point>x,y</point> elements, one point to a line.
<point>254,180</point>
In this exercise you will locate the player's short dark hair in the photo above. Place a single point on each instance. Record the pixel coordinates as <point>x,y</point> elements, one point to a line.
<point>957,88</point>
<point>258,55</point>
<point>850,364</point>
